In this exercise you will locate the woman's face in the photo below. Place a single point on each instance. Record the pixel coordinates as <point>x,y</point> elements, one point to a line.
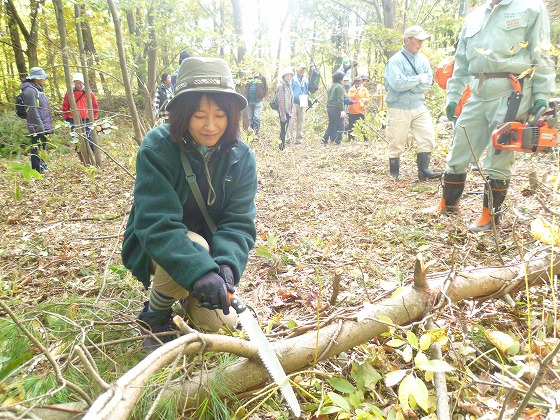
<point>208,124</point>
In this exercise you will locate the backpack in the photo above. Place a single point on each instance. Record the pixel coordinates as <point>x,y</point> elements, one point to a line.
<point>274,102</point>
<point>21,109</point>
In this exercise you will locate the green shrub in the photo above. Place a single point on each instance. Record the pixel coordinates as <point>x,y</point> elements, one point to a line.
<point>13,135</point>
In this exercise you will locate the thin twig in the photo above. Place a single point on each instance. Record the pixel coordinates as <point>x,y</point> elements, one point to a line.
<point>490,198</point>
<point>442,400</point>
<point>538,377</point>
<point>90,369</point>
<point>58,374</point>
<point>331,341</point>
<point>335,286</point>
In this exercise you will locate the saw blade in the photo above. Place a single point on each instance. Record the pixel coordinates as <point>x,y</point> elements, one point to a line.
<point>269,359</point>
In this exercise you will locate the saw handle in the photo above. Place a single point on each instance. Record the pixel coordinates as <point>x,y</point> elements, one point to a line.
<point>537,116</point>
<point>236,303</point>
<point>509,129</point>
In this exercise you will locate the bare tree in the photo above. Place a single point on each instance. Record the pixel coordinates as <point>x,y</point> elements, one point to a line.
<point>84,150</point>
<point>93,133</point>
<point>138,131</point>
<point>30,36</point>
<point>238,23</point>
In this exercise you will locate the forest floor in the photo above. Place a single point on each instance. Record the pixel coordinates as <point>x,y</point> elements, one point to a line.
<point>320,210</point>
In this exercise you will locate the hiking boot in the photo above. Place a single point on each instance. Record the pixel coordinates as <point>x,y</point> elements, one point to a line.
<point>156,322</point>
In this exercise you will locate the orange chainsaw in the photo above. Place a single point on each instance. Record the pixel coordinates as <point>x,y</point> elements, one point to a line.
<point>537,136</point>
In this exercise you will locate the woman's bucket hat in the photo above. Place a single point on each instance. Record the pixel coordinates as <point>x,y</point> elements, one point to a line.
<point>37,73</point>
<point>204,74</point>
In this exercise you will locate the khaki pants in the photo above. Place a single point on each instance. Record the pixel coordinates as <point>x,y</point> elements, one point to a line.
<point>418,122</point>
<point>202,318</point>
<point>297,120</point>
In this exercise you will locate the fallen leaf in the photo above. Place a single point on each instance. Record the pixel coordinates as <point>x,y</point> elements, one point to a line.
<point>501,341</point>
<point>545,232</point>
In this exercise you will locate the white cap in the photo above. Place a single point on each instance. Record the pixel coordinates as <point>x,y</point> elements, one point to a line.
<point>287,70</point>
<point>417,32</point>
<point>78,76</point>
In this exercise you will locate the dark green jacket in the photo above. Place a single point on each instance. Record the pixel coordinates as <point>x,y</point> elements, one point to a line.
<point>336,96</point>
<point>155,229</point>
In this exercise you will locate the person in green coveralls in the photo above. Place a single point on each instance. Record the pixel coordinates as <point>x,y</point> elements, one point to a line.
<point>498,38</point>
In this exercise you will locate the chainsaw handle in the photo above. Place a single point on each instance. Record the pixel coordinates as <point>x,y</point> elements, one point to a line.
<point>513,126</point>
<point>537,116</point>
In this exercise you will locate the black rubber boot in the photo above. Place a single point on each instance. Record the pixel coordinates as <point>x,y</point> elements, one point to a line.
<point>453,187</point>
<point>156,322</point>
<point>394,167</point>
<point>499,189</point>
<point>423,162</point>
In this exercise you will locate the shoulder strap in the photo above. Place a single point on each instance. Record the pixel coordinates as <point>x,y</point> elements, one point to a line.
<point>191,179</point>
<point>410,62</point>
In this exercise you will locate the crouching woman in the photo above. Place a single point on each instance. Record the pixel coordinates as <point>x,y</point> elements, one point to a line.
<point>168,243</point>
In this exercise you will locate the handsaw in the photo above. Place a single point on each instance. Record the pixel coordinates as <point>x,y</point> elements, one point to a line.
<point>266,353</point>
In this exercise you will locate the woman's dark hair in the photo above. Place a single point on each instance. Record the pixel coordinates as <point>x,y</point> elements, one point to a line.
<point>189,104</point>
<point>337,77</point>
<point>164,77</point>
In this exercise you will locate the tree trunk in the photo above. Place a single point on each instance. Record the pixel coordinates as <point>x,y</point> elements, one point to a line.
<point>93,132</point>
<point>85,151</point>
<point>412,304</point>
<point>91,53</point>
<point>152,49</point>
<point>31,36</point>
<point>238,23</point>
<point>389,13</point>
<point>16,42</point>
<point>138,132</point>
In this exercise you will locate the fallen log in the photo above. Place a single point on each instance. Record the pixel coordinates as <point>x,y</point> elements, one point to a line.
<point>411,304</point>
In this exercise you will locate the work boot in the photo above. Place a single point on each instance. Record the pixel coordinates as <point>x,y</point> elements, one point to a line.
<point>453,186</point>
<point>156,322</point>
<point>423,162</point>
<point>394,166</point>
<point>499,189</point>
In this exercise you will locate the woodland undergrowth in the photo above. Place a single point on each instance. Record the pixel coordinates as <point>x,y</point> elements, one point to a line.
<point>323,213</point>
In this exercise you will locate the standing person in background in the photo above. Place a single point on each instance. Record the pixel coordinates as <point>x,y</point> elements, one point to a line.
<point>365,80</point>
<point>335,110</point>
<point>167,235</point>
<point>300,88</point>
<point>164,93</point>
<point>81,103</point>
<point>407,75</point>
<point>285,104</point>
<point>360,95</point>
<point>254,91</point>
<point>182,56</point>
<point>39,116</point>
<point>517,35</point>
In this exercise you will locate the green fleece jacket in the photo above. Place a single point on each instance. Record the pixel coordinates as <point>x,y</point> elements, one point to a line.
<point>155,229</point>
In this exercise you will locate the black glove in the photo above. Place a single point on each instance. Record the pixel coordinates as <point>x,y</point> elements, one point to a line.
<point>210,291</point>
<point>227,275</point>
